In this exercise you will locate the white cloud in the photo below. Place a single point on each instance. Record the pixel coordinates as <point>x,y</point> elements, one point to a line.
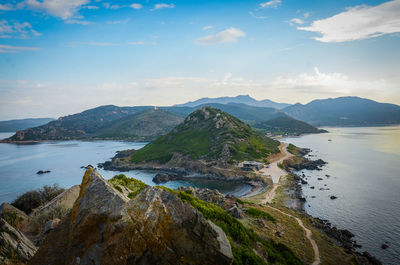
<point>92,7</point>
<point>255,16</point>
<point>15,49</point>
<point>110,6</point>
<point>296,21</point>
<point>136,6</point>
<point>137,43</point>
<point>271,4</point>
<point>162,6</point>
<point>6,7</point>
<point>91,43</point>
<point>16,30</point>
<point>357,23</point>
<point>79,22</point>
<point>116,22</point>
<point>306,15</point>
<point>59,8</point>
<point>226,36</point>
<point>208,27</point>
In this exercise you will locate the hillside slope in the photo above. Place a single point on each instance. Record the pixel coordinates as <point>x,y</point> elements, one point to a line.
<point>286,125</point>
<point>22,124</point>
<point>210,135</point>
<point>345,111</point>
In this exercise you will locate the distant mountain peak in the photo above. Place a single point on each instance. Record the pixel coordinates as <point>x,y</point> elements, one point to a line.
<point>240,99</point>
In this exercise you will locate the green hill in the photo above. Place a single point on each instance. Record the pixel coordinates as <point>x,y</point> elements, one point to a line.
<point>143,126</point>
<point>286,125</point>
<point>106,122</point>
<point>209,135</point>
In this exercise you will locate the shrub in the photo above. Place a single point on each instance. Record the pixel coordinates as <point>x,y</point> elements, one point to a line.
<point>132,184</point>
<point>39,220</point>
<point>258,213</point>
<point>13,219</point>
<point>35,198</point>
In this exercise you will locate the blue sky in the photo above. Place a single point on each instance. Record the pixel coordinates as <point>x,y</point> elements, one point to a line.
<point>59,57</point>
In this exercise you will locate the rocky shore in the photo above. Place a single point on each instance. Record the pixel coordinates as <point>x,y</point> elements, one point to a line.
<point>341,237</point>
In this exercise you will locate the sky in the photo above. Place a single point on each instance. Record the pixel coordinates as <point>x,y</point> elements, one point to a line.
<point>59,57</point>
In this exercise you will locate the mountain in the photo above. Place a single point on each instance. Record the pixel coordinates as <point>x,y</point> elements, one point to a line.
<point>285,125</point>
<point>129,123</point>
<point>143,126</point>
<point>241,99</point>
<point>345,111</point>
<point>22,124</point>
<point>210,135</point>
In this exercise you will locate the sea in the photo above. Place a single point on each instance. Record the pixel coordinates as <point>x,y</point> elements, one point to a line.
<point>363,172</point>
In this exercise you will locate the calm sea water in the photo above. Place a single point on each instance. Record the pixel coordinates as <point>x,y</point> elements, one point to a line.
<point>19,164</point>
<point>364,165</point>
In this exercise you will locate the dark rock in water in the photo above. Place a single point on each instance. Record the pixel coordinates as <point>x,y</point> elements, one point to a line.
<point>333,197</point>
<point>302,199</point>
<point>304,182</point>
<point>155,227</point>
<point>384,246</point>
<point>312,187</point>
<point>371,259</point>
<point>325,185</point>
<point>313,197</point>
<point>319,178</point>
<point>88,167</point>
<point>40,172</point>
<point>165,177</point>
<point>307,164</point>
<point>328,176</point>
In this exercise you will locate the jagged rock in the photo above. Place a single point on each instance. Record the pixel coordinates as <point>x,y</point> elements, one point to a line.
<point>50,225</point>
<point>66,199</point>
<point>333,197</point>
<point>14,244</point>
<point>384,246</point>
<point>155,227</point>
<point>165,177</point>
<point>14,216</point>
<point>211,196</point>
<point>235,212</point>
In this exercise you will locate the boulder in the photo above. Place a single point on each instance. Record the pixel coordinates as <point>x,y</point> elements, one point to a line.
<point>50,225</point>
<point>165,177</point>
<point>235,212</point>
<point>14,244</point>
<point>155,227</point>
<point>15,217</point>
<point>66,199</point>
<point>211,196</point>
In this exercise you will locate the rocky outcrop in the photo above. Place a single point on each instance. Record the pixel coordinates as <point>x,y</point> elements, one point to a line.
<point>65,199</point>
<point>208,195</point>
<point>155,227</point>
<point>165,177</point>
<point>14,246</point>
<point>15,217</point>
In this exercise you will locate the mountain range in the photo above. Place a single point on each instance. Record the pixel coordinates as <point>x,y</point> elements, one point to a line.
<point>22,124</point>
<point>146,123</point>
<point>241,99</point>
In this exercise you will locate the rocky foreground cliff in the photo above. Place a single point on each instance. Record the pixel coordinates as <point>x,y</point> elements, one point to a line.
<point>156,227</point>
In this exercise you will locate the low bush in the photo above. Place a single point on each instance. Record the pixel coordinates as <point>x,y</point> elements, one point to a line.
<point>39,220</point>
<point>258,213</point>
<point>35,198</point>
<point>132,184</point>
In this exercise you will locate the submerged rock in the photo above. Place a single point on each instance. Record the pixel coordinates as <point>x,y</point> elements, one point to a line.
<point>40,172</point>
<point>155,227</point>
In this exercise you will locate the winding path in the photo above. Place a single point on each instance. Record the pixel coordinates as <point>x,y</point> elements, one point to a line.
<point>277,173</point>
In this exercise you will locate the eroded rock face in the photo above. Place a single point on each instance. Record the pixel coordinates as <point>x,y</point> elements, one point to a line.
<point>14,246</point>
<point>156,227</point>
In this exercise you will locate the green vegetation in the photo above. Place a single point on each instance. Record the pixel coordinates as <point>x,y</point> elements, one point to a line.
<point>258,213</point>
<point>241,238</point>
<point>134,185</point>
<point>39,221</point>
<point>209,134</point>
<point>13,219</point>
<point>35,198</point>
<point>285,125</point>
<point>281,166</point>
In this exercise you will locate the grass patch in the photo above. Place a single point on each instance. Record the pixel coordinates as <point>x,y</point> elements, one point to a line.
<point>258,213</point>
<point>132,184</point>
<point>242,239</point>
